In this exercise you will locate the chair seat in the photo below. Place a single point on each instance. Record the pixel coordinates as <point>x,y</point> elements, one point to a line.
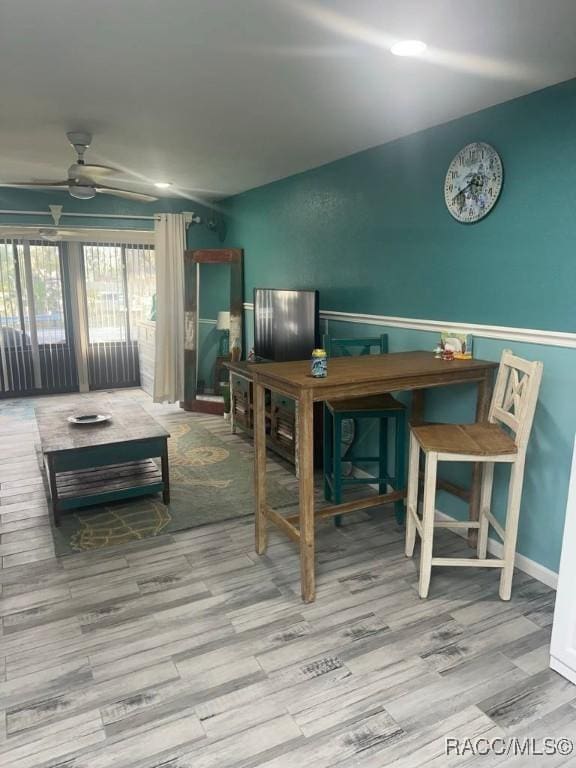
<point>373,403</point>
<point>483,439</point>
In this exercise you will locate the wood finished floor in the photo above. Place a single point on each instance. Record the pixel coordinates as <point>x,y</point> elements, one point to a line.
<point>190,651</point>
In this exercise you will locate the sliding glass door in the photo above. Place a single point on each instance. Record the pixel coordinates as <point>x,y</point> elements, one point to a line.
<point>69,314</point>
<point>120,283</point>
<point>36,346</point>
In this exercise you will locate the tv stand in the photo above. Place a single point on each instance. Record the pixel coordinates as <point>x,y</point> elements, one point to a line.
<point>281,430</point>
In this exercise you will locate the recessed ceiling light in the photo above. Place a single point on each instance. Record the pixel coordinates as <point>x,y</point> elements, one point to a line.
<point>408,48</point>
<point>162,184</point>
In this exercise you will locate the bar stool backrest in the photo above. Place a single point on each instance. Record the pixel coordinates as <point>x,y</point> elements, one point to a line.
<point>361,346</point>
<point>515,396</point>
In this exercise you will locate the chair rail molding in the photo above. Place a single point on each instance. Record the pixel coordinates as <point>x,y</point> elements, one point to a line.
<point>503,332</point>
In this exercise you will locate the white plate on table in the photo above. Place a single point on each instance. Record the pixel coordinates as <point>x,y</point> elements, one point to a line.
<point>89,418</point>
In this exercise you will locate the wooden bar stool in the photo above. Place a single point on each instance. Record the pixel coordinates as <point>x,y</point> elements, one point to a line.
<point>503,438</point>
<point>340,412</point>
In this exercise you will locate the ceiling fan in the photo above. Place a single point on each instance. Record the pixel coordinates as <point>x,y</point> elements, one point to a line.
<point>47,234</point>
<point>52,235</point>
<point>84,179</point>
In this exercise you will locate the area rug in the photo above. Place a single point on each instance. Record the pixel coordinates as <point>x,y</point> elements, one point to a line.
<point>210,480</point>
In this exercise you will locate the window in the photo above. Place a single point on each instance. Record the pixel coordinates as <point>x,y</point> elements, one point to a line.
<point>46,303</point>
<point>47,293</point>
<point>141,281</point>
<point>120,286</point>
<point>105,293</point>
<point>11,311</point>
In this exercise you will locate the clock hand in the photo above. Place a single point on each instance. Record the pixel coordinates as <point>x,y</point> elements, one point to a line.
<point>461,192</point>
<point>474,183</point>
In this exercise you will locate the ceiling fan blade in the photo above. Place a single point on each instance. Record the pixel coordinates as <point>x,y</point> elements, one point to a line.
<point>89,171</point>
<point>34,184</point>
<point>54,235</point>
<point>49,234</point>
<point>125,193</point>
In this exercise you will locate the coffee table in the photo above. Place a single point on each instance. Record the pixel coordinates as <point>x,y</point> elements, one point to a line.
<point>97,463</point>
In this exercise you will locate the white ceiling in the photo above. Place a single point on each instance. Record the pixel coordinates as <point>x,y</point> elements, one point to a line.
<point>219,96</point>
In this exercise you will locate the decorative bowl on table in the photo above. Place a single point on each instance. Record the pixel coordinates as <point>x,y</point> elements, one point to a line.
<point>89,418</point>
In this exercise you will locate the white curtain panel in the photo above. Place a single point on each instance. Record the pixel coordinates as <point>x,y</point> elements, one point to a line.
<point>170,243</point>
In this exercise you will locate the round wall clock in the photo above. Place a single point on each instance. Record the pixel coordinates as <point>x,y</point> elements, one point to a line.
<point>473,182</point>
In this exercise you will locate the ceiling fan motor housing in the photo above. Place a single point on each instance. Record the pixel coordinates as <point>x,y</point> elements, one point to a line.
<point>82,191</point>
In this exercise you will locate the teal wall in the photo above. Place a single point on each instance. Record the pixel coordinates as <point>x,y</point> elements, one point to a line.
<point>372,233</point>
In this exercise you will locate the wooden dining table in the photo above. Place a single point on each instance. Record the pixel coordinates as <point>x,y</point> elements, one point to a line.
<point>350,377</point>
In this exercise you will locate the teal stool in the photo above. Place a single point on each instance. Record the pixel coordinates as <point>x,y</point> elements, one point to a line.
<point>381,407</point>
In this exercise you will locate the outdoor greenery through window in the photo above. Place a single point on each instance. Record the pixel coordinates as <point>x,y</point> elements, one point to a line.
<point>37,291</point>
<point>12,321</point>
<point>47,293</point>
<point>141,281</point>
<point>120,286</point>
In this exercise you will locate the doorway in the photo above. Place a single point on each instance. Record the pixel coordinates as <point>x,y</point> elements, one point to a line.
<point>70,313</point>
<point>119,285</point>
<point>36,334</point>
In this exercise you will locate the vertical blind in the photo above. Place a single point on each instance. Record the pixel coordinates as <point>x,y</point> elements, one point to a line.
<point>120,284</point>
<point>36,328</point>
<point>35,351</point>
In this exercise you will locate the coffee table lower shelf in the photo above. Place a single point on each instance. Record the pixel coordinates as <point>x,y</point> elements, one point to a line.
<point>88,487</point>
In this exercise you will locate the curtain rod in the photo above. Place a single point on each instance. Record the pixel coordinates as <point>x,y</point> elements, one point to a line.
<point>79,215</point>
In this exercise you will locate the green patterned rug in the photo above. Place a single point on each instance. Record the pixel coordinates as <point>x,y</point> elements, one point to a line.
<point>210,480</point>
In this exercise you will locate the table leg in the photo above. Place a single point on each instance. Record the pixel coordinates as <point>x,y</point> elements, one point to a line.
<point>418,407</point>
<point>296,460</point>
<point>417,411</point>
<point>260,467</point>
<point>306,493</point>
<point>53,490</point>
<point>482,409</point>
<point>232,420</point>
<point>165,475</point>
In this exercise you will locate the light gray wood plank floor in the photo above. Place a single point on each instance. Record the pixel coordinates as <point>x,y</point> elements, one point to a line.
<point>190,651</point>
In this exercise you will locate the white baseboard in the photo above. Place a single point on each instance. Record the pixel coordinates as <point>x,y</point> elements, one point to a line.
<point>523,563</point>
<point>562,669</point>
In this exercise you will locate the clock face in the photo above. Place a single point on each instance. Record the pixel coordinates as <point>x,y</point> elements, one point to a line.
<point>473,182</point>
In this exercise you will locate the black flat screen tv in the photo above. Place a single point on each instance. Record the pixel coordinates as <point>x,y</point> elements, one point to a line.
<point>286,324</point>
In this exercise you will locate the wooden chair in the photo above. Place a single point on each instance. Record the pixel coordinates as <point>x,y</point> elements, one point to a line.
<point>503,438</point>
<point>381,407</point>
